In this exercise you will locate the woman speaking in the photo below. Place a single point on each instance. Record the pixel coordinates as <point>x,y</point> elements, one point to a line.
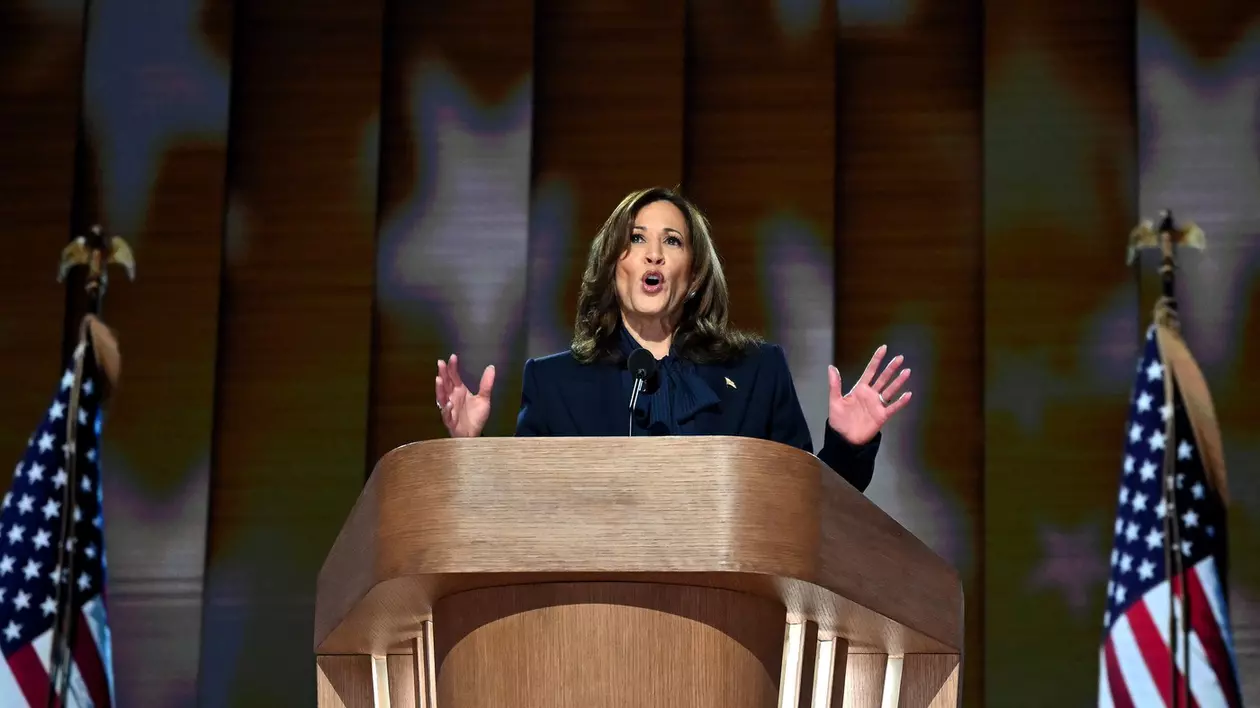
<point>653,354</point>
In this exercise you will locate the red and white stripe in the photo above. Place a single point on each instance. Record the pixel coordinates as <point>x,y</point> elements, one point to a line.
<point>24,677</point>
<point>1134,662</point>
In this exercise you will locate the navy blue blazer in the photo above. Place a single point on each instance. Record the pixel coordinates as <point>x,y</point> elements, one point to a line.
<point>563,397</point>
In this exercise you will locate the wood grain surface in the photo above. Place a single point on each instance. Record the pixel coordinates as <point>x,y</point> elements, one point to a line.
<point>446,516</point>
<point>574,645</point>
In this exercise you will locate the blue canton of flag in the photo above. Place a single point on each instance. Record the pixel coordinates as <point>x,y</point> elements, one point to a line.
<point>1136,666</point>
<point>51,529</point>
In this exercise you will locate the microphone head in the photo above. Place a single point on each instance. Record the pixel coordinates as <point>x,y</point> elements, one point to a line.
<point>642,364</point>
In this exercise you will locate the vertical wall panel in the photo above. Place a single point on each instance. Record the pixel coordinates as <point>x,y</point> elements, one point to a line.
<point>601,130</point>
<point>41,58</point>
<point>1198,79</point>
<point>153,171</point>
<point>295,342</point>
<point>908,268</point>
<point>760,160</point>
<point>1061,335</point>
<point>454,210</point>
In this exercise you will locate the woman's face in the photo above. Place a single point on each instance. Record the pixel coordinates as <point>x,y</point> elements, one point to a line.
<point>654,274</point>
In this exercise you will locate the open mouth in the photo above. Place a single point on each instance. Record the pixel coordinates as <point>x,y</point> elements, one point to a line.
<point>652,281</point>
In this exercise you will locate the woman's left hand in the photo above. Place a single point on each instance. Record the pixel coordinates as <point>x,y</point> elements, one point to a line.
<point>859,415</point>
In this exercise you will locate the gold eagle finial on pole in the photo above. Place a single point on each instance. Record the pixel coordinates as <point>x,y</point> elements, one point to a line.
<point>1165,235</point>
<point>97,252</point>
<point>1148,234</point>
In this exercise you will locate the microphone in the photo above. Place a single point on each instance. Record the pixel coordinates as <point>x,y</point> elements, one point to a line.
<point>643,367</point>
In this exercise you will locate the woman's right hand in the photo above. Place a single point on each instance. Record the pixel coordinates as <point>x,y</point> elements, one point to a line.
<point>463,413</point>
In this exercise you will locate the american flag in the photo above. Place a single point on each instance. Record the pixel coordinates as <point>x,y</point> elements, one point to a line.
<point>56,478</point>
<point>1136,659</point>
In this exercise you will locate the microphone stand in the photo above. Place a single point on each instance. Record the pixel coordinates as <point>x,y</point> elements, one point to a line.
<point>634,398</point>
<point>643,365</point>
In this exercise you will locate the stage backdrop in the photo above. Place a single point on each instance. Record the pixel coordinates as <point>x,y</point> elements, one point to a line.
<point>324,197</point>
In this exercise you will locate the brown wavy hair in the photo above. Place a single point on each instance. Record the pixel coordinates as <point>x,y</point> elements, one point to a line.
<point>704,334</point>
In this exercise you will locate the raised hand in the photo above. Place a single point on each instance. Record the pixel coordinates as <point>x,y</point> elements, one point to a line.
<point>860,414</point>
<point>463,413</point>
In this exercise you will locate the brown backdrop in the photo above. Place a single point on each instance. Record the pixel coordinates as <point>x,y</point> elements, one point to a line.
<point>326,197</point>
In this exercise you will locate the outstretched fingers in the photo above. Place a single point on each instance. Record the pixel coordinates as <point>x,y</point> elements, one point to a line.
<point>446,380</point>
<point>446,386</point>
<point>871,367</point>
<point>487,382</point>
<point>442,383</point>
<point>898,404</point>
<point>452,369</point>
<point>886,376</point>
<point>895,386</point>
<point>443,401</point>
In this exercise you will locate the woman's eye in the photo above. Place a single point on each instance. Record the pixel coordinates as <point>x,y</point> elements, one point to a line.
<point>674,241</point>
<point>636,238</point>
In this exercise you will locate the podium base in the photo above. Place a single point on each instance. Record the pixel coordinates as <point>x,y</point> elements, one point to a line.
<point>584,644</point>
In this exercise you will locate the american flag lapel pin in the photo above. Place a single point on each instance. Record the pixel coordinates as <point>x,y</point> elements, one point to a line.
<point>731,384</point>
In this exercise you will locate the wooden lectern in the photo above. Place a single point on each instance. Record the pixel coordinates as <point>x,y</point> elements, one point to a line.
<point>680,572</point>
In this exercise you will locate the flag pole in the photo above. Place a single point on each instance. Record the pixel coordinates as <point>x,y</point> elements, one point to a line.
<point>95,253</point>
<point>1168,264</point>
<point>1173,561</point>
